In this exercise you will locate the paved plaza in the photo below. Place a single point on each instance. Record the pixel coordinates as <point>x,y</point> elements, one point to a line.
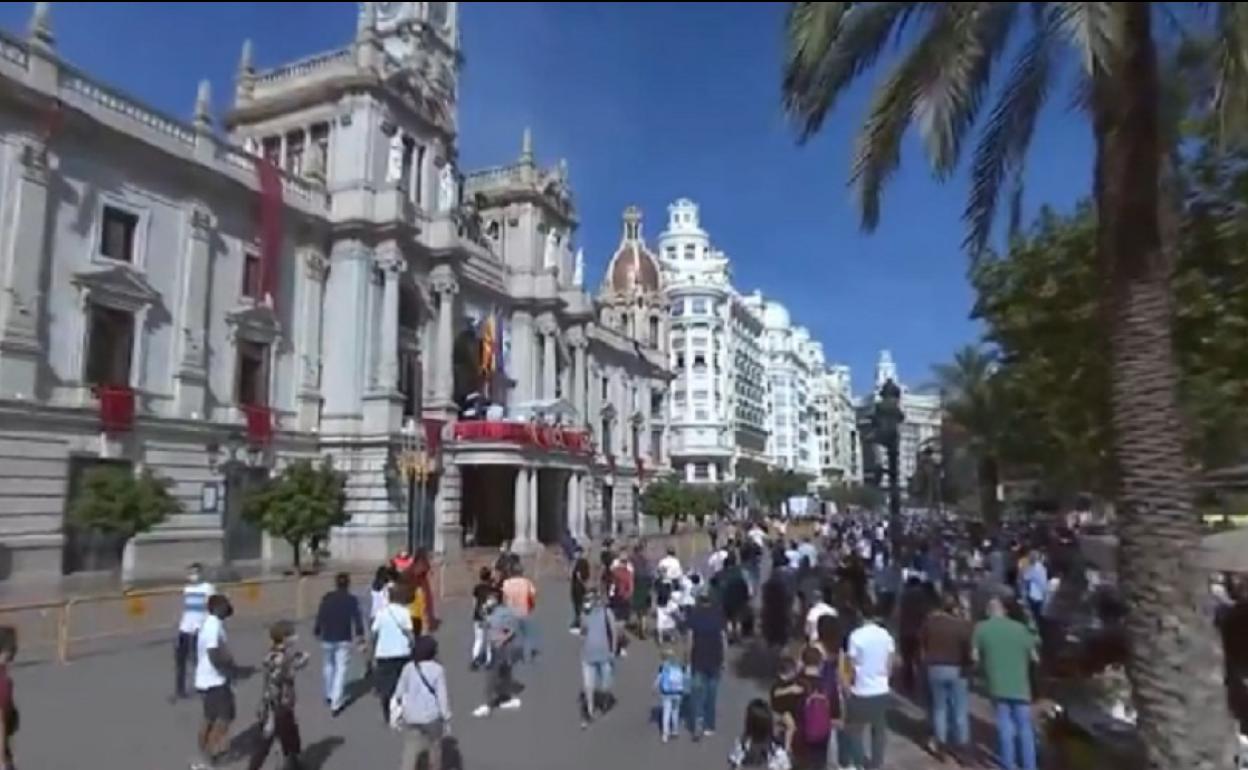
<point>111,711</point>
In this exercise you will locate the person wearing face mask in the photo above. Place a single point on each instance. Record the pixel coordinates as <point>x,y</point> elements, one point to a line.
<point>214,667</point>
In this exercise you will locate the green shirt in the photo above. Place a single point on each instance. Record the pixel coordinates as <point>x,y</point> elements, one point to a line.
<point>1004,647</point>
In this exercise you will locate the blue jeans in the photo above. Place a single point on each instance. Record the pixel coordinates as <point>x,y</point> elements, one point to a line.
<point>1014,720</point>
<point>703,693</point>
<point>671,714</point>
<point>950,710</point>
<point>596,677</point>
<point>335,660</point>
<point>528,637</point>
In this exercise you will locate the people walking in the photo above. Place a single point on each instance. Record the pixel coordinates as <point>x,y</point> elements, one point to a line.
<point>598,647</point>
<point>277,699</point>
<point>480,595</point>
<point>579,586</point>
<point>945,648</point>
<point>670,685</point>
<point>422,710</point>
<point>520,596</point>
<point>786,698</point>
<point>1005,648</point>
<point>8,701</point>
<point>821,710</point>
<point>214,667</point>
<point>872,656</point>
<point>757,746</point>
<point>708,637</point>
<point>194,611</point>
<point>339,626</point>
<point>502,633</point>
<point>393,633</point>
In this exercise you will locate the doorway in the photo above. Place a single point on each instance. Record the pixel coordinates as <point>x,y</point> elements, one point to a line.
<point>85,550</point>
<point>242,540</point>
<point>608,511</point>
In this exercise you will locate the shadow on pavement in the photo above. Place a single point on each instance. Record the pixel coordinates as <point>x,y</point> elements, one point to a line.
<point>910,720</point>
<point>757,661</point>
<point>452,757</point>
<point>316,755</point>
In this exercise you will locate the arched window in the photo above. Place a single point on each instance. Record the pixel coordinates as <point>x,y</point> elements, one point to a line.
<point>654,331</point>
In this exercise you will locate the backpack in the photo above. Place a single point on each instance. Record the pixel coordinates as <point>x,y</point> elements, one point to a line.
<point>671,679</point>
<point>816,717</point>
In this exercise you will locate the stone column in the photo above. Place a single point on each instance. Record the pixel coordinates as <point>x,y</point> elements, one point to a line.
<point>548,328</point>
<point>446,287</point>
<point>534,511</point>
<point>346,335</point>
<point>573,517</point>
<point>312,294</point>
<point>447,531</point>
<point>190,373</point>
<point>521,363</point>
<point>390,260</point>
<point>21,263</point>
<point>578,376</point>
<point>521,507</point>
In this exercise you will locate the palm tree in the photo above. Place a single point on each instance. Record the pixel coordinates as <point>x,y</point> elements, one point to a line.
<point>972,404</point>
<point>939,84</point>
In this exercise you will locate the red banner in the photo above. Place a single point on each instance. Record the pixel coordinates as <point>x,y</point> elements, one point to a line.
<point>269,221</point>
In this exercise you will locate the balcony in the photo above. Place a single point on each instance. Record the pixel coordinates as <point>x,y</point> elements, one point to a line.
<point>525,434</point>
<point>116,408</point>
<point>259,421</point>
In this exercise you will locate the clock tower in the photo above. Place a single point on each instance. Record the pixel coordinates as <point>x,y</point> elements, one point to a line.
<point>403,27</point>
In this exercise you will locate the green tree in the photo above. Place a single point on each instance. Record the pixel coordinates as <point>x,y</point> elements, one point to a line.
<point>774,487</point>
<point>973,404</point>
<point>665,501</point>
<point>856,495</point>
<point>114,503</point>
<point>939,85</point>
<point>301,504</point>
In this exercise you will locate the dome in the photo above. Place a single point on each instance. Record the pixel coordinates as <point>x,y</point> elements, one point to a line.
<point>633,269</point>
<point>775,316</point>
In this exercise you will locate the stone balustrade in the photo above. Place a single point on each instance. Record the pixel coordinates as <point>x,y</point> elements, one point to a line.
<point>304,67</point>
<point>110,99</point>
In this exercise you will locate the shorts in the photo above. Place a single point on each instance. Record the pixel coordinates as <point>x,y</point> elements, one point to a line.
<point>218,703</point>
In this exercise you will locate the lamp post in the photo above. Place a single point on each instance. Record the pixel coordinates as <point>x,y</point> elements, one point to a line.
<point>886,426</point>
<point>414,468</point>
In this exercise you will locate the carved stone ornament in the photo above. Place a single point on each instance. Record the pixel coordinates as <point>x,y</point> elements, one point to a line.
<point>443,283</point>
<point>547,326</point>
<point>316,265</point>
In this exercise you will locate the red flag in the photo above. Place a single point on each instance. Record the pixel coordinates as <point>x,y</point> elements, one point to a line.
<point>270,226</point>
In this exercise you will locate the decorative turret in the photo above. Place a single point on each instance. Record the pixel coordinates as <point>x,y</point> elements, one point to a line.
<point>203,106</point>
<point>41,25</point>
<point>245,78</point>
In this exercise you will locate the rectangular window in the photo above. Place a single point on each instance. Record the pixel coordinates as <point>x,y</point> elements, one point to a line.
<point>701,471</point>
<point>271,150</point>
<point>117,234</point>
<point>699,307</point>
<point>110,340</point>
<point>409,154</point>
<point>320,145</point>
<point>251,275</point>
<point>690,251</point>
<point>669,252</point>
<point>418,176</point>
<point>701,414</point>
<point>606,388</point>
<point>251,387</point>
<point>678,307</point>
<point>294,153</point>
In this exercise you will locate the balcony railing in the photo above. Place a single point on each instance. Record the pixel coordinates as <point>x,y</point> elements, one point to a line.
<point>116,408</point>
<point>524,433</point>
<point>259,424</point>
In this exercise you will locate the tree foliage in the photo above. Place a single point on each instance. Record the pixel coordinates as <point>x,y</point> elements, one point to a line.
<point>774,487</point>
<point>115,502</point>
<point>856,495</point>
<point>673,501</point>
<point>303,503</point>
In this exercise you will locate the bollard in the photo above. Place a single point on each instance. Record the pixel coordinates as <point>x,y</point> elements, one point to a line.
<point>62,632</point>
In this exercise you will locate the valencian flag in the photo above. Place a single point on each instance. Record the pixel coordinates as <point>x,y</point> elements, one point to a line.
<point>488,358</point>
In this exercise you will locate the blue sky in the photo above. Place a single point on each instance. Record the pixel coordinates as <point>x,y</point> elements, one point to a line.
<point>648,102</point>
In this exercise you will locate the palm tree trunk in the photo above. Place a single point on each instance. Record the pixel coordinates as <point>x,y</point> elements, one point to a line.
<point>1175,664</point>
<point>989,479</point>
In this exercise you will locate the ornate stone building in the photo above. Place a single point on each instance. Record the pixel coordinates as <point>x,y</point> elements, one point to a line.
<point>305,277</point>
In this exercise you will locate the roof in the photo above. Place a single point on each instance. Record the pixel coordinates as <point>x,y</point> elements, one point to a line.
<point>633,268</point>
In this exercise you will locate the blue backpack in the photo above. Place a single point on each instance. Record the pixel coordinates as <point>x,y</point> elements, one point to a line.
<point>671,679</point>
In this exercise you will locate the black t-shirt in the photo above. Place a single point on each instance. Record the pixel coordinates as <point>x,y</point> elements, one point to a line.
<point>480,592</point>
<point>706,630</point>
<point>788,699</point>
<point>580,576</point>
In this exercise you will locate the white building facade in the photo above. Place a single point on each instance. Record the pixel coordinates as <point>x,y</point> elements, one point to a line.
<point>836,427</point>
<point>922,425</point>
<point>306,280</point>
<point>717,414</point>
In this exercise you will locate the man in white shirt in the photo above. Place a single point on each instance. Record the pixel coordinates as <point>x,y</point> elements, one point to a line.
<point>213,667</point>
<point>194,611</point>
<point>669,567</point>
<point>818,609</point>
<point>715,562</point>
<point>872,655</point>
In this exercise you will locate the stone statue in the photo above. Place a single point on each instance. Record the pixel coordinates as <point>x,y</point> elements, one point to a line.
<point>578,269</point>
<point>550,257</point>
<point>446,188</point>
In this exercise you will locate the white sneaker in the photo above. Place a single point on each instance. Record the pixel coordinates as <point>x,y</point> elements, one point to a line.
<point>708,733</point>
<point>481,711</point>
<point>510,705</point>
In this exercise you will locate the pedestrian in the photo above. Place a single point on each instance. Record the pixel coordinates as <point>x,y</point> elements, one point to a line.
<point>734,595</point>
<point>214,667</point>
<point>579,587</point>
<point>819,608</point>
<point>421,576</point>
<point>379,591</point>
<point>600,639</point>
<point>777,606</point>
<point>393,633</point>
<point>9,719</point>
<point>502,633</point>
<point>757,746</point>
<point>1035,585</point>
<point>277,698</point>
<point>913,608</point>
<point>643,583</point>
<point>712,532</point>
<point>480,594</point>
<point>422,710</point>
<point>622,591</point>
<point>668,568</point>
<point>339,626</point>
<point>520,595</point>
<point>708,638</point>
<point>670,685</point>
<point>945,647</point>
<point>785,698</point>
<point>1005,648</point>
<point>194,611</point>
<point>821,710</point>
<point>666,614</point>
<point>872,656</point>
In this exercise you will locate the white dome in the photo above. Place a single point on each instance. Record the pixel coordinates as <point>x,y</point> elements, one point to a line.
<point>775,316</point>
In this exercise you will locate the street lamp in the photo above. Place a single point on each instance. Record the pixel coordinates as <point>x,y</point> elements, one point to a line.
<point>886,426</point>
<point>414,467</point>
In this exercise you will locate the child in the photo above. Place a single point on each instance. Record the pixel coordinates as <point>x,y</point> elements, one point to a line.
<point>480,592</point>
<point>666,615</point>
<point>757,746</point>
<point>277,703</point>
<point>670,684</point>
<point>787,697</point>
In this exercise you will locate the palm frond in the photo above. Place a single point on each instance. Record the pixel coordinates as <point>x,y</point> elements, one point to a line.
<point>1230,99</point>
<point>1094,29</point>
<point>830,44</point>
<point>1005,138</point>
<point>950,100</point>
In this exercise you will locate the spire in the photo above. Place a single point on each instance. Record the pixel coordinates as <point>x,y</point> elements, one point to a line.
<point>41,25</point>
<point>526,147</point>
<point>245,63</point>
<point>203,106</point>
<point>245,79</point>
<point>368,20</point>
<point>632,224</point>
